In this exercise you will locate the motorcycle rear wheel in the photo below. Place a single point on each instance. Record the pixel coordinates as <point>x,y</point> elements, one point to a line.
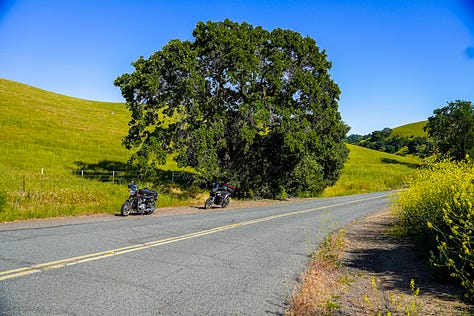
<point>126,208</point>
<point>150,210</point>
<point>208,203</point>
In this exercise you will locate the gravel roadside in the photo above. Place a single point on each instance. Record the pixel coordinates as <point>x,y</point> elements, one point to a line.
<point>380,268</point>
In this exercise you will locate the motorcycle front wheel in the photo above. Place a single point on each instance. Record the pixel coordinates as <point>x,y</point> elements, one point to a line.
<point>225,202</point>
<point>126,208</point>
<point>208,203</point>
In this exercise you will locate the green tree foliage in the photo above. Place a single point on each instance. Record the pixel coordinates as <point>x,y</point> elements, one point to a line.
<point>239,104</point>
<point>452,129</point>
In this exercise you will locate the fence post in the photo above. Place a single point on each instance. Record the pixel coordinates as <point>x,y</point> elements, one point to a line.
<point>22,189</point>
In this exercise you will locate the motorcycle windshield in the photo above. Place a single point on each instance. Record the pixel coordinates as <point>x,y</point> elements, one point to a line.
<point>215,187</point>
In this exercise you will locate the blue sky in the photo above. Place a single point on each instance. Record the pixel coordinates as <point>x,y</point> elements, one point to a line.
<point>395,61</point>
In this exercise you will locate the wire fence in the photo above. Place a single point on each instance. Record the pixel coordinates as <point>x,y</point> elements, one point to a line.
<point>175,177</point>
<point>51,178</point>
<point>113,176</point>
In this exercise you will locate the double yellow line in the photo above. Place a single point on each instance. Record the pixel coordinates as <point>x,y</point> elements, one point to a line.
<point>16,273</point>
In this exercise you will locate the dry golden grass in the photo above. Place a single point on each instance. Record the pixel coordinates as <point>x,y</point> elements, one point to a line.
<point>321,284</point>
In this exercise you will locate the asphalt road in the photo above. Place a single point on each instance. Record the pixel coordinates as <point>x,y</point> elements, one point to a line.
<point>229,262</point>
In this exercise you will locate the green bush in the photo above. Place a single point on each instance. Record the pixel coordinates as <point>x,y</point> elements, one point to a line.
<point>437,212</point>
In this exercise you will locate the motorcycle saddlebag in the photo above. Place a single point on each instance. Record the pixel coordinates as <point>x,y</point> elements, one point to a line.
<point>230,188</point>
<point>148,192</point>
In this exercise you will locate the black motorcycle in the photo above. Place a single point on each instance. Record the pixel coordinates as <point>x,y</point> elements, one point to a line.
<point>141,201</point>
<point>219,195</point>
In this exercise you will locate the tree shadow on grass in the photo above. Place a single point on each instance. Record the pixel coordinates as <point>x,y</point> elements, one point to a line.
<point>102,166</point>
<point>119,173</point>
<point>398,162</point>
<point>104,171</point>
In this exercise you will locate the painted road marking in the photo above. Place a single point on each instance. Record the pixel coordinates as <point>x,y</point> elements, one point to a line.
<point>16,273</point>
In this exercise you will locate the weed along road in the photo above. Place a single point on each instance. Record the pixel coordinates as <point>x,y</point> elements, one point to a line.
<point>225,262</point>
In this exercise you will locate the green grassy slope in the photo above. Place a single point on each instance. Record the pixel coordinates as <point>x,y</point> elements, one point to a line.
<point>368,170</point>
<point>45,138</point>
<point>41,129</point>
<point>411,130</point>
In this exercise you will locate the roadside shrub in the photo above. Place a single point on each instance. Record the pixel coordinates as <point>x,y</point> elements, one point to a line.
<point>437,212</point>
<point>456,251</point>
<point>423,202</point>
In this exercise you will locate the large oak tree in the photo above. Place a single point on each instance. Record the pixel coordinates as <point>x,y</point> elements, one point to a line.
<point>240,104</point>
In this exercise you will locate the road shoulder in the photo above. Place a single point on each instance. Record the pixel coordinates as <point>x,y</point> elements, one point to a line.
<point>381,268</point>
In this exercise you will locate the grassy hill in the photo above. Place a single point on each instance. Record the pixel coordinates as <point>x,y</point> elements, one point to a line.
<point>47,138</point>
<point>41,129</point>
<point>411,130</point>
<point>368,170</point>
<point>409,139</point>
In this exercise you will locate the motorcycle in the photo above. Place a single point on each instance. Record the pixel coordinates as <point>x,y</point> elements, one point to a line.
<point>140,200</point>
<point>219,195</point>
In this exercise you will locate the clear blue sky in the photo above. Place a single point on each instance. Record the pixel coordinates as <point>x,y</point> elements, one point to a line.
<point>395,61</point>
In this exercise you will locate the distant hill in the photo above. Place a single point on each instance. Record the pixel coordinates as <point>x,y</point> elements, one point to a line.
<point>409,139</point>
<point>41,129</point>
<point>411,130</point>
<point>368,170</point>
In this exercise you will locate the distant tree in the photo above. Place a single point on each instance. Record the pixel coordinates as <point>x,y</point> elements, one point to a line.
<point>452,129</point>
<point>353,138</point>
<point>420,146</point>
<point>238,103</point>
